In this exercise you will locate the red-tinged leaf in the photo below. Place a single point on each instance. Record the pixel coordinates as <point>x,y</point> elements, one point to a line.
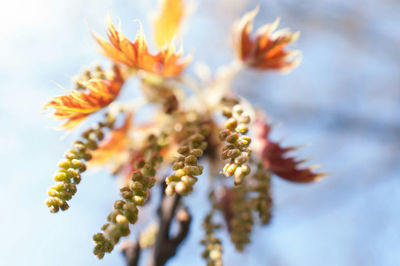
<point>78,104</point>
<point>275,158</point>
<point>267,50</point>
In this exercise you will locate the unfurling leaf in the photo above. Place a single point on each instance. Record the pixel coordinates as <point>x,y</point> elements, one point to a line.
<point>114,146</point>
<point>168,21</point>
<point>78,104</point>
<point>275,159</point>
<point>135,55</point>
<point>267,50</point>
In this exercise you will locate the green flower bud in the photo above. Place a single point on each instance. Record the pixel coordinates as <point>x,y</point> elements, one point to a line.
<point>139,200</point>
<point>227,112</point>
<point>192,170</point>
<point>191,160</point>
<point>244,118</point>
<point>77,164</point>
<point>242,128</point>
<point>170,190</point>
<point>229,169</point>
<point>181,188</point>
<point>178,165</point>
<point>233,153</point>
<point>135,186</point>
<point>232,138</point>
<point>196,152</point>
<point>119,204</point>
<point>180,173</point>
<point>231,124</point>
<point>64,163</point>
<point>60,177</point>
<point>237,109</point>
<point>184,150</point>
<point>224,133</point>
<point>189,180</point>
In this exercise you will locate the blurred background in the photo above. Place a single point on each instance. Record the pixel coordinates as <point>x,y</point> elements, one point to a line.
<point>343,100</point>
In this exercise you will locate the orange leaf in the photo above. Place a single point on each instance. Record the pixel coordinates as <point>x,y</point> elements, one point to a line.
<point>267,50</point>
<point>168,20</point>
<point>275,159</point>
<point>78,104</point>
<point>136,55</point>
<point>117,142</point>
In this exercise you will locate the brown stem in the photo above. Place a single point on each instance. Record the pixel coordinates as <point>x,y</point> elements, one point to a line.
<point>166,246</point>
<point>131,251</point>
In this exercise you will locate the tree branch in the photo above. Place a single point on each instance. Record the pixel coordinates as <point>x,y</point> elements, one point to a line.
<point>166,246</point>
<point>131,251</point>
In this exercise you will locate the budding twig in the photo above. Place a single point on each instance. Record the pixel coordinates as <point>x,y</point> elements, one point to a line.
<point>71,167</point>
<point>262,203</point>
<point>213,246</point>
<point>134,194</point>
<point>186,164</point>
<point>236,149</point>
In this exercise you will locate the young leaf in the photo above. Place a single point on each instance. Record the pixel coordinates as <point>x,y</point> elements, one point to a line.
<point>78,104</point>
<point>275,159</point>
<point>135,55</point>
<point>267,50</point>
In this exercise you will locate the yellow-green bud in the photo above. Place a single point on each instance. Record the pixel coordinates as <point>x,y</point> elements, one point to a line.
<point>64,163</point>
<point>121,219</point>
<point>237,109</point>
<point>169,190</point>
<point>231,123</point>
<point>229,169</point>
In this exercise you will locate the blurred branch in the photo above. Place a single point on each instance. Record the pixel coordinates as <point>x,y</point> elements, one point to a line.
<point>166,246</point>
<point>131,251</point>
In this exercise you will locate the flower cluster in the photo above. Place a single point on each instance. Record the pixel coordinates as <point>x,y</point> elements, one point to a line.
<point>185,165</point>
<point>213,246</point>
<point>236,148</point>
<point>70,168</point>
<point>241,223</point>
<point>134,194</point>
<point>262,203</point>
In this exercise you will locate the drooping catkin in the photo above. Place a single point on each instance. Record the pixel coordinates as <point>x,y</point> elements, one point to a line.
<point>134,194</point>
<point>241,224</point>
<point>185,165</point>
<point>236,149</point>
<point>212,244</point>
<point>262,203</point>
<point>70,168</point>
